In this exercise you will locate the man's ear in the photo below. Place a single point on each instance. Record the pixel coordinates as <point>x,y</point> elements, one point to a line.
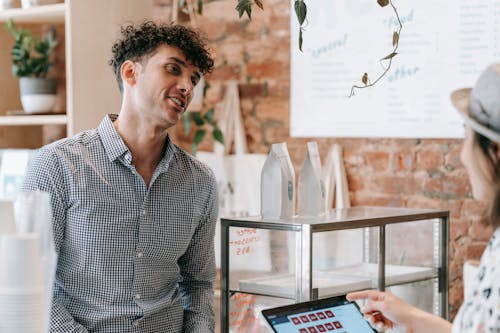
<point>128,72</point>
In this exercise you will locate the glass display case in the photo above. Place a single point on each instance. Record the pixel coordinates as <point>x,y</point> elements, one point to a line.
<point>399,249</point>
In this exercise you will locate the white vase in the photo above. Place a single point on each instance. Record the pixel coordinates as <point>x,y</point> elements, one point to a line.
<point>37,94</point>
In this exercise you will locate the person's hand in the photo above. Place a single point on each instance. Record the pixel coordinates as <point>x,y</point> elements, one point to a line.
<point>384,310</point>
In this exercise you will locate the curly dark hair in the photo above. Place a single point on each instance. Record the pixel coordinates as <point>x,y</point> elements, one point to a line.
<point>140,41</point>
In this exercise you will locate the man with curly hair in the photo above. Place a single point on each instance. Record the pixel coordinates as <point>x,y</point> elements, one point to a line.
<point>133,214</point>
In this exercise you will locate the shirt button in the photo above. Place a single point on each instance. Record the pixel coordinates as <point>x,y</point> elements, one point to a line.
<point>139,254</point>
<point>135,323</point>
<point>144,212</point>
<point>137,296</point>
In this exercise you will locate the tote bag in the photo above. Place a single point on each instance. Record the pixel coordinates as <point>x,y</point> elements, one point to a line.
<point>238,178</point>
<point>335,249</point>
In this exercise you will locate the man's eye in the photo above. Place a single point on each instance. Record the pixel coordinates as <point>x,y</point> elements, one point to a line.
<point>173,69</point>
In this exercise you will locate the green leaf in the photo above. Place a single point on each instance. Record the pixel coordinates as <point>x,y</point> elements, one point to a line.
<point>186,121</point>
<point>200,7</point>
<point>19,54</point>
<point>198,136</point>
<point>383,3</point>
<point>50,38</point>
<point>300,10</point>
<point>205,88</point>
<point>218,136</point>
<point>198,120</point>
<point>209,116</point>
<point>41,47</point>
<point>244,6</point>
<point>31,55</point>
<point>11,28</point>
<point>26,43</point>
<point>15,70</point>
<point>38,65</point>
<point>395,38</point>
<point>300,39</point>
<point>364,79</point>
<point>389,56</point>
<point>194,149</point>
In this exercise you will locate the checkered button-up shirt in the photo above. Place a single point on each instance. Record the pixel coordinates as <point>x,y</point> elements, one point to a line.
<point>131,258</point>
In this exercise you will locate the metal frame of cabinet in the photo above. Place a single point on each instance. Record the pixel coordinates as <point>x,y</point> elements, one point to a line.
<point>339,219</point>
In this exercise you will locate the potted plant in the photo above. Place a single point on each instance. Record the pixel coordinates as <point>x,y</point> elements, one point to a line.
<point>201,119</point>
<point>31,60</point>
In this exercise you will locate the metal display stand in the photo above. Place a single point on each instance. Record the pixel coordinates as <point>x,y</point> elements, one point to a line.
<point>372,219</point>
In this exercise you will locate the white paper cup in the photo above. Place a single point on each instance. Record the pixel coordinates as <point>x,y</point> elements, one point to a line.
<point>32,211</point>
<point>22,308</point>
<point>20,262</point>
<point>7,225</point>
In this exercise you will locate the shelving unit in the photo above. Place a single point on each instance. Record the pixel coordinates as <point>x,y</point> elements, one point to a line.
<point>88,29</point>
<point>33,120</point>
<point>399,248</point>
<point>38,14</point>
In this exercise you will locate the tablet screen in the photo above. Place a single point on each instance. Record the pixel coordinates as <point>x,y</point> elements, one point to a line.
<point>326,315</point>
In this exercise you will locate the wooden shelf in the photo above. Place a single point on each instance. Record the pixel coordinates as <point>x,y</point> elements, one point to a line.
<point>37,14</point>
<point>33,120</point>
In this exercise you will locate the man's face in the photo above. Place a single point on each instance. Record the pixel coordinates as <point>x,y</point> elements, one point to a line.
<point>164,85</point>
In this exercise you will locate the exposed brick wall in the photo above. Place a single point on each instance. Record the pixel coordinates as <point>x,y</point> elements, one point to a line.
<point>391,172</point>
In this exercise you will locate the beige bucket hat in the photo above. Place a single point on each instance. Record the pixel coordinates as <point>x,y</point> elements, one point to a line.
<point>480,106</point>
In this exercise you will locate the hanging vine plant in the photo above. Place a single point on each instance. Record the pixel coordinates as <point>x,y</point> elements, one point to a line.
<point>300,7</point>
<point>245,6</point>
<point>388,58</point>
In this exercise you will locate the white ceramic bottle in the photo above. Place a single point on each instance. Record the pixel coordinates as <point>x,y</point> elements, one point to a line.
<point>277,187</point>
<point>311,189</point>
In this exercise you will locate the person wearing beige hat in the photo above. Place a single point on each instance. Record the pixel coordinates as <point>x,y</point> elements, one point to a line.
<point>480,312</point>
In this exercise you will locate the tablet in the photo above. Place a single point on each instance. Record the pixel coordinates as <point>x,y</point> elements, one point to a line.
<point>335,314</point>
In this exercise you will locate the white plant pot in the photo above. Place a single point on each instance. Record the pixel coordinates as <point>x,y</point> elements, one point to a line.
<point>37,94</point>
<point>38,103</point>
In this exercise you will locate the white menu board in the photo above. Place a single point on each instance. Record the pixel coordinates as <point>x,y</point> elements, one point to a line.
<point>444,45</point>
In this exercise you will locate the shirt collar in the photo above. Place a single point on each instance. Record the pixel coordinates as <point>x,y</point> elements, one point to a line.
<point>116,148</point>
<point>169,153</point>
<point>111,140</point>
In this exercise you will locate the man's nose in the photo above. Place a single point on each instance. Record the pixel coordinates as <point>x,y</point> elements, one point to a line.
<point>186,87</point>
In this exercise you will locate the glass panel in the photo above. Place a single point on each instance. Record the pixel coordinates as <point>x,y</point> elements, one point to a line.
<point>262,261</point>
<point>420,294</point>
<point>338,261</point>
<point>412,260</point>
<point>244,312</point>
<point>410,244</point>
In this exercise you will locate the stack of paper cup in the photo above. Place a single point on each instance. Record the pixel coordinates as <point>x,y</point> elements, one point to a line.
<point>22,295</point>
<point>7,225</point>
